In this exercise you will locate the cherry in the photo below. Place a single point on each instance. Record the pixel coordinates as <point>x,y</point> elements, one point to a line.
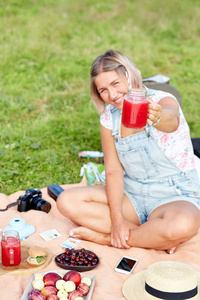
<point>78,257</point>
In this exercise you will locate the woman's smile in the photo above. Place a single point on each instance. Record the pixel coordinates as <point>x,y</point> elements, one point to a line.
<point>119,100</point>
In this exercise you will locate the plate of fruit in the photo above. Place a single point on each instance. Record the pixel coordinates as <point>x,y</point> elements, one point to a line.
<point>59,284</point>
<point>80,260</point>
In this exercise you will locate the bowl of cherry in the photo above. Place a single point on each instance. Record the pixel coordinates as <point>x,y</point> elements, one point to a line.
<point>80,260</point>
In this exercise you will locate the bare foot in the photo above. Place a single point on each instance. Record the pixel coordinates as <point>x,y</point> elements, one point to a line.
<point>84,233</point>
<point>171,251</point>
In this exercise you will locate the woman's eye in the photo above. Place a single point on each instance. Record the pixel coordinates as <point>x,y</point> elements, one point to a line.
<point>116,83</point>
<point>102,91</point>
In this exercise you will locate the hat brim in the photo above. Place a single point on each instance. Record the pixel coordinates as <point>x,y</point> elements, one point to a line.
<point>134,288</point>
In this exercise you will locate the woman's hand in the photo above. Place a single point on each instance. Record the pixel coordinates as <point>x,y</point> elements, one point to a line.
<point>120,234</point>
<point>154,112</point>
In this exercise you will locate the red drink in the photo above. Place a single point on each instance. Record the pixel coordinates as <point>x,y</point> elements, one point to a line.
<point>11,249</point>
<point>135,109</point>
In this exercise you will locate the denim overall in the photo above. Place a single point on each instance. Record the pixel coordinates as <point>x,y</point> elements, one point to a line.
<point>151,179</point>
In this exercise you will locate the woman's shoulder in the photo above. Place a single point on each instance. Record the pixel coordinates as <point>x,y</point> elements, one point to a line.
<point>106,117</point>
<point>157,95</point>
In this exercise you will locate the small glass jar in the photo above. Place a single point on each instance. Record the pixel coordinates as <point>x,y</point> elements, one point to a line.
<point>10,248</point>
<point>135,109</point>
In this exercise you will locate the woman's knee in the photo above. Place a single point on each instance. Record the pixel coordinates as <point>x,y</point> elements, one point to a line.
<point>182,227</point>
<point>66,202</point>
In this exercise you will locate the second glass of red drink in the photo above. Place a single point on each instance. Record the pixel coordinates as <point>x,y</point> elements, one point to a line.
<point>10,248</point>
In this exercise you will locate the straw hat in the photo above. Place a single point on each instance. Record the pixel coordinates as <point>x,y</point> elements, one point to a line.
<point>164,280</point>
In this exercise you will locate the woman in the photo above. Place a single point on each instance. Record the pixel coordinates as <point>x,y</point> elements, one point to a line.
<point>152,194</point>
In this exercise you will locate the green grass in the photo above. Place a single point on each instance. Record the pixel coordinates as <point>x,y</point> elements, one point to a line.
<point>46,51</point>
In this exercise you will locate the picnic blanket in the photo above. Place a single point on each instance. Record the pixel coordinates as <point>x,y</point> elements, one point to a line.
<point>108,282</point>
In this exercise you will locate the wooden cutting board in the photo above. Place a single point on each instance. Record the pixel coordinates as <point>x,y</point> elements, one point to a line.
<point>24,267</point>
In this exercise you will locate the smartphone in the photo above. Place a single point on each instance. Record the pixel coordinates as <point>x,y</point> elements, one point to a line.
<point>126,265</point>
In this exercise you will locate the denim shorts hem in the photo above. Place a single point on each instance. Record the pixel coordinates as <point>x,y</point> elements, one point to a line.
<point>139,213</point>
<point>144,217</point>
<point>187,199</point>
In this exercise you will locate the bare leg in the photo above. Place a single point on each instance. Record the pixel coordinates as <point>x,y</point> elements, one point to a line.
<point>88,207</point>
<point>87,234</point>
<point>168,225</point>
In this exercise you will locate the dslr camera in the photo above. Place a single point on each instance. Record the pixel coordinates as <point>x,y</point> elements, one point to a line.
<point>32,200</point>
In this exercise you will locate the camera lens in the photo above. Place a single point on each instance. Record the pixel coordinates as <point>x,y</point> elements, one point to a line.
<point>40,204</point>
<point>46,207</point>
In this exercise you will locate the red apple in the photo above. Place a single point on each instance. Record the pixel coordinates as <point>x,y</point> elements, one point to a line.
<point>73,276</point>
<point>49,290</point>
<point>73,295</point>
<point>84,288</point>
<point>51,278</point>
<point>52,297</point>
<point>36,295</point>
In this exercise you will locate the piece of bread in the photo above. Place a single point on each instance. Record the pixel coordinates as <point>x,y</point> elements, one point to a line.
<point>37,256</point>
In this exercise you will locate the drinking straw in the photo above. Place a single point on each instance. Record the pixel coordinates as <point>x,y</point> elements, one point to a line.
<point>129,82</point>
<point>2,234</point>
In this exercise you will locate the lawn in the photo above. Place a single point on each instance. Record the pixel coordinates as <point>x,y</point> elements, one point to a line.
<point>46,51</point>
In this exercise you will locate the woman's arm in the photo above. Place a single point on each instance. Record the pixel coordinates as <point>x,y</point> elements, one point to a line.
<point>114,189</point>
<point>168,110</point>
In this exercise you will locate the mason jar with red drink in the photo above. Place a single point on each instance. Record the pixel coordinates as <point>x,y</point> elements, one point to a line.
<point>135,109</point>
<point>10,248</point>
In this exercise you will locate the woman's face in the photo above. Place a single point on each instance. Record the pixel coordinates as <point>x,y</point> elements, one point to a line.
<point>112,89</point>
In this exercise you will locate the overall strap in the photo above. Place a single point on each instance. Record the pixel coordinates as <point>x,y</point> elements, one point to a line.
<point>148,130</point>
<point>150,92</point>
<point>115,121</point>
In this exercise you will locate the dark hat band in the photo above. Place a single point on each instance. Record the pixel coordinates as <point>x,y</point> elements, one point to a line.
<point>170,296</point>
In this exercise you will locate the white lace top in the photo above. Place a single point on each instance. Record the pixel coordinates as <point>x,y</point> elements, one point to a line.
<point>177,145</point>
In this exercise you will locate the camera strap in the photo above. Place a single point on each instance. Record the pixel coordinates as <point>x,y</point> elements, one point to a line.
<point>10,205</point>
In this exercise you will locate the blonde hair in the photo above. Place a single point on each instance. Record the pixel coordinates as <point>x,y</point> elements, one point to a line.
<point>113,60</point>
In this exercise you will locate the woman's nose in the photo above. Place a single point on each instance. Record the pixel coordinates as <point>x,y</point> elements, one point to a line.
<point>113,93</point>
